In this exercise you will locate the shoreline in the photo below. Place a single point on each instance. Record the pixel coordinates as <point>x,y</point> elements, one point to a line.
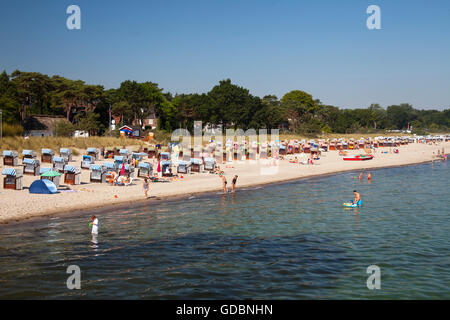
<point>184,195</point>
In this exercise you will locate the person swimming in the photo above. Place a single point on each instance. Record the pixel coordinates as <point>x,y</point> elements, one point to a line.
<point>357,199</point>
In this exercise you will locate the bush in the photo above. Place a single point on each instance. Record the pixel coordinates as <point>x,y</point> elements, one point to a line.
<point>64,129</point>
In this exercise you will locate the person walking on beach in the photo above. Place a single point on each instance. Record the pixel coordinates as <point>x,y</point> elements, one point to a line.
<point>102,152</point>
<point>233,183</point>
<point>146,187</point>
<point>224,183</point>
<point>94,225</point>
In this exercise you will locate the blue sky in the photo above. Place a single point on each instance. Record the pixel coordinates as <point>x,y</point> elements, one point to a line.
<point>270,47</point>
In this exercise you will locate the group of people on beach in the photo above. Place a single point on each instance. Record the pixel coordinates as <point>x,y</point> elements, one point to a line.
<point>224,183</point>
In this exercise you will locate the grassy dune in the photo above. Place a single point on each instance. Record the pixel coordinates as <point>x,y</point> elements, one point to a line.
<point>37,143</point>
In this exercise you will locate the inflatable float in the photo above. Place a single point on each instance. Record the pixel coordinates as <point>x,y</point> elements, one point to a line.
<point>359,157</point>
<point>349,205</point>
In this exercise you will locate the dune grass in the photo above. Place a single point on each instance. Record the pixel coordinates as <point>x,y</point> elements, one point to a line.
<point>37,143</point>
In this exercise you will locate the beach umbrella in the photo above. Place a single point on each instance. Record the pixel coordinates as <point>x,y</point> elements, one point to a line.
<point>122,171</point>
<point>51,174</point>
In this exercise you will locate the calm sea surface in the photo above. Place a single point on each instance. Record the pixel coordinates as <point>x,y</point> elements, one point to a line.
<point>287,241</point>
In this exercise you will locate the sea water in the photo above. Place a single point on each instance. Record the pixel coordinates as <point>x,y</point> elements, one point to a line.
<point>287,241</point>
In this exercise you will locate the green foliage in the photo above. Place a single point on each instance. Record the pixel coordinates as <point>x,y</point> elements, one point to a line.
<point>64,129</point>
<point>226,104</point>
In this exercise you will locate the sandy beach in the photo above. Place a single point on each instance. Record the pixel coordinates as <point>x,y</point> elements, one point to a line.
<point>21,205</point>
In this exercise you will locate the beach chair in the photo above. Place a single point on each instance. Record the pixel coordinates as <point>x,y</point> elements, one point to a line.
<point>29,154</point>
<point>165,156</point>
<point>197,165</point>
<point>138,156</point>
<point>66,154</point>
<point>98,173</point>
<point>166,168</point>
<point>55,177</point>
<point>93,152</point>
<point>184,167</point>
<point>144,169</point>
<point>210,164</point>
<point>282,150</point>
<point>58,164</point>
<point>129,170</point>
<point>109,166</point>
<point>47,155</point>
<point>87,161</point>
<point>72,175</point>
<point>13,179</point>
<point>125,154</point>
<point>31,166</point>
<point>10,158</point>
<point>118,161</point>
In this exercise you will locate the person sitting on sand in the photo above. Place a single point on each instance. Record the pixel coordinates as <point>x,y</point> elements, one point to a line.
<point>233,183</point>
<point>224,182</point>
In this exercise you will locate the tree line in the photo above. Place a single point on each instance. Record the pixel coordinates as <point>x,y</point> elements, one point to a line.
<point>86,107</point>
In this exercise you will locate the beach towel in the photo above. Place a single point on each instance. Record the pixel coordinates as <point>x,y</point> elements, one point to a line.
<point>122,171</point>
<point>158,169</point>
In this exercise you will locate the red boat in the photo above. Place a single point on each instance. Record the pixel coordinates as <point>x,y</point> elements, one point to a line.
<point>359,157</point>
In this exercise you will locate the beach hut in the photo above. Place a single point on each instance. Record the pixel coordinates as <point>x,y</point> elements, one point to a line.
<point>10,158</point>
<point>49,174</point>
<point>72,174</point>
<point>59,163</point>
<point>66,154</point>
<point>184,167</point>
<point>87,161</point>
<point>144,169</point>
<point>47,155</point>
<point>98,173</point>
<point>43,186</point>
<point>31,166</point>
<point>12,179</point>
<point>210,164</point>
<point>29,154</point>
<point>197,165</point>
<point>93,152</point>
<point>166,168</point>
